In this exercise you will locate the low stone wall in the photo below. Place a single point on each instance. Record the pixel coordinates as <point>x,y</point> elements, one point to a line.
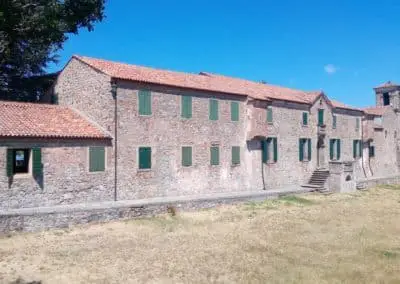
<point>372,182</point>
<point>41,218</point>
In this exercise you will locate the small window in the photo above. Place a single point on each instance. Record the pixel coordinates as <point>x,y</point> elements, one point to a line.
<point>186,107</point>
<point>305,149</point>
<point>269,115</point>
<point>320,117</point>
<point>234,111</point>
<point>334,149</point>
<point>334,121</point>
<point>305,118</point>
<point>21,159</point>
<point>213,109</point>
<point>270,150</point>
<point>144,158</point>
<point>96,159</point>
<point>186,156</point>
<point>144,102</point>
<point>371,151</point>
<point>357,123</point>
<point>214,155</point>
<point>357,149</point>
<point>386,99</point>
<point>235,155</point>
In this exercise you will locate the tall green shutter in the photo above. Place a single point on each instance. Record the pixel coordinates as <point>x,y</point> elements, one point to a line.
<point>10,162</point>
<point>234,111</point>
<point>359,148</point>
<point>144,102</point>
<point>186,156</point>
<point>37,166</point>
<point>275,149</point>
<point>305,118</point>
<point>338,149</point>
<point>214,153</point>
<point>213,115</point>
<point>96,159</point>
<point>144,157</point>
<point>331,143</point>
<point>301,148</point>
<point>309,149</point>
<point>264,148</point>
<point>186,106</point>
<point>235,155</point>
<point>354,148</point>
<point>320,117</point>
<point>269,115</point>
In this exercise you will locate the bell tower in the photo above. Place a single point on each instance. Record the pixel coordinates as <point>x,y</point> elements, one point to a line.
<point>388,94</point>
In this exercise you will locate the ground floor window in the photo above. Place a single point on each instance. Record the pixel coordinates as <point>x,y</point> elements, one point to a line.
<point>97,159</point>
<point>24,161</point>
<point>371,151</point>
<point>357,148</point>
<point>334,149</point>
<point>186,156</point>
<point>21,159</point>
<point>235,155</point>
<point>270,150</point>
<point>305,149</point>
<point>214,155</point>
<point>144,158</point>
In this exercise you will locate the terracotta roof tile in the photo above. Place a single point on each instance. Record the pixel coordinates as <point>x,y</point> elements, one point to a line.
<point>378,110</point>
<point>337,104</point>
<point>45,121</point>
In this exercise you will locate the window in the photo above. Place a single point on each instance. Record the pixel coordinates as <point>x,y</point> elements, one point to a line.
<point>334,149</point>
<point>386,99</point>
<point>270,150</point>
<point>357,123</point>
<point>144,102</point>
<point>305,118</point>
<point>235,155</point>
<point>186,156</point>
<point>269,115</point>
<point>320,117</point>
<point>213,115</point>
<point>334,121</point>
<point>144,158</point>
<point>371,151</point>
<point>214,155</point>
<point>96,159</point>
<point>234,111</point>
<point>186,106</point>
<point>357,149</point>
<point>305,149</point>
<point>19,161</point>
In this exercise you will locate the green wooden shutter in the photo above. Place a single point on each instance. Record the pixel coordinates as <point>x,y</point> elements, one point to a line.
<point>213,115</point>
<point>235,155</point>
<point>186,156</point>
<point>37,166</point>
<point>301,148</point>
<point>269,115</point>
<point>371,151</point>
<point>338,149</point>
<point>334,121</point>
<point>320,117</point>
<point>214,153</point>
<point>234,111</point>
<point>309,149</point>
<point>186,106</point>
<point>10,162</point>
<point>144,102</point>
<point>359,148</point>
<point>144,157</point>
<point>264,148</point>
<point>97,159</point>
<point>354,149</point>
<point>305,118</point>
<point>275,140</point>
<point>331,142</point>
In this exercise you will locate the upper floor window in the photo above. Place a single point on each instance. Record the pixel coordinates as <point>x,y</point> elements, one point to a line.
<point>357,123</point>
<point>144,102</point>
<point>186,106</point>
<point>334,121</point>
<point>213,109</point>
<point>305,118</point>
<point>334,149</point>
<point>305,149</point>
<point>144,158</point>
<point>269,115</point>
<point>269,148</point>
<point>234,111</point>
<point>320,117</point>
<point>214,155</point>
<point>357,148</point>
<point>386,99</point>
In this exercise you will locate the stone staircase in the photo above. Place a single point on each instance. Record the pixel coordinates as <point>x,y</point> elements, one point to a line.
<point>318,180</point>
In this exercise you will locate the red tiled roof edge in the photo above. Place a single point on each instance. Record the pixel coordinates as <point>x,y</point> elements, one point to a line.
<point>377,110</point>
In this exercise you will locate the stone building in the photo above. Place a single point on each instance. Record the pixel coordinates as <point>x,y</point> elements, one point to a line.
<point>120,132</point>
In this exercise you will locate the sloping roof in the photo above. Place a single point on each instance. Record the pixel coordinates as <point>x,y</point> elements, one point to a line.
<point>45,121</point>
<point>387,84</point>
<point>338,104</point>
<point>378,110</point>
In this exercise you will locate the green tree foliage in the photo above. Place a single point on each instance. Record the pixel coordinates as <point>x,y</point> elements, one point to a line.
<point>31,33</point>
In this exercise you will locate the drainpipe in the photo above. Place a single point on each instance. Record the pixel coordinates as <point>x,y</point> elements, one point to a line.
<point>114,95</point>
<point>362,151</point>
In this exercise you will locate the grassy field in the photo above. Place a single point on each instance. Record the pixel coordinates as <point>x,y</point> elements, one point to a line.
<point>339,238</point>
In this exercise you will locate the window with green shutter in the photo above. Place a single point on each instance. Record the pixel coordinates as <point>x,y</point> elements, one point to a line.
<point>213,109</point>
<point>338,149</point>
<point>264,149</point>
<point>334,149</point>
<point>357,148</point>
<point>269,149</point>
<point>214,155</point>
<point>357,123</point>
<point>269,115</point>
<point>144,102</point>
<point>234,111</point>
<point>334,118</point>
<point>37,166</point>
<point>18,161</point>
<point>186,156</point>
<point>186,106</point>
<point>320,117</point>
<point>144,158</point>
<point>235,155</point>
<point>305,118</point>
<point>97,159</point>
<point>304,149</point>
<point>275,143</point>
<point>10,162</point>
<point>371,151</point>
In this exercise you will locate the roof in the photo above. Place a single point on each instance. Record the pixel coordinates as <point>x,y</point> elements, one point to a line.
<point>378,110</point>
<point>387,84</point>
<point>45,121</point>
<point>337,104</point>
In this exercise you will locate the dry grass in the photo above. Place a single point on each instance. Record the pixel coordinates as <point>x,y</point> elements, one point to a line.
<point>351,238</point>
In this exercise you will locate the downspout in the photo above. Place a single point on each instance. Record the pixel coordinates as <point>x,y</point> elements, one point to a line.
<point>114,95</point>
<point>362,152</point>
<point>262,164</point>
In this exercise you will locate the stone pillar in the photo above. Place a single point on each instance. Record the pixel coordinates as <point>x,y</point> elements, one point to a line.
<point>341,176</point>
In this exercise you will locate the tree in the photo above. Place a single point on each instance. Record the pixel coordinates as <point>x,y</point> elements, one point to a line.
<point>31,33</point>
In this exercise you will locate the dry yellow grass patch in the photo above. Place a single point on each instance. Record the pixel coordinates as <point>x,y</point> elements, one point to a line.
<point>351,238</point>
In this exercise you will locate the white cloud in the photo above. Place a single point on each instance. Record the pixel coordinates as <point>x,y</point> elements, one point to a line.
<point>331,69</point>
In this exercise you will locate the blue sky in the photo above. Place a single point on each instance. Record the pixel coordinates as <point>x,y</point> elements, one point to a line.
<point>342,47</point>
